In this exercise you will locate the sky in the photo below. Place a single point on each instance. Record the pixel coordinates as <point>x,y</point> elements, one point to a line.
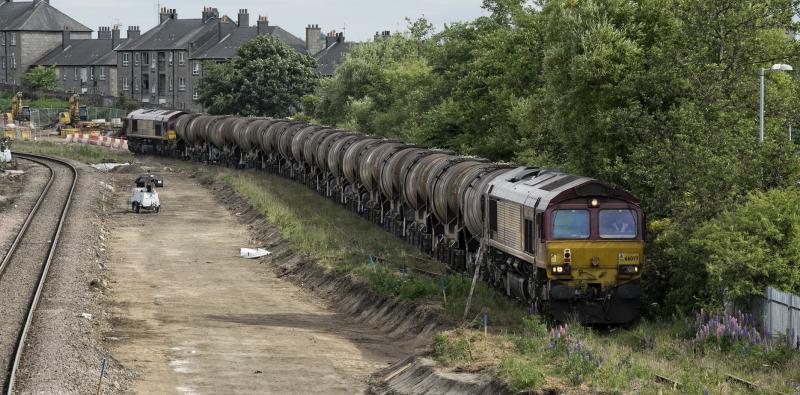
<point>360,19</point>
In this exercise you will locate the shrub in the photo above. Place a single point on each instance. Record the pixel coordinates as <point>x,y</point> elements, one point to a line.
<point>752,246</point>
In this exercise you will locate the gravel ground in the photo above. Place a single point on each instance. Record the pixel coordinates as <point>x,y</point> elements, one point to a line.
<point>64,350</point>
<point>17,196</point>
<point>21,275</point>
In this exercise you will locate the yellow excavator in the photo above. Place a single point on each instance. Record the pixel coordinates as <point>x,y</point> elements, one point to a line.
<point>71,121</point>
<point>74,115</point>
<point>19,112</point>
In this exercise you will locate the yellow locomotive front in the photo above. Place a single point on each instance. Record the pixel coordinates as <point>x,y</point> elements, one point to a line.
<point>594,256</point>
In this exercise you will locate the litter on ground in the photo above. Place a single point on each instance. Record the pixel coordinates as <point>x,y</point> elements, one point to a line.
<point>251,253</point>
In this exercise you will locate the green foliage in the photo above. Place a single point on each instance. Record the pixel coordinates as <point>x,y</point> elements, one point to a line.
<point>753,245</point>
<point>266,78</point>
<point>451,351</point>
<point>658,96</point>
<point>521,373</point>
<point>42,78</point>
<point>388,282</point>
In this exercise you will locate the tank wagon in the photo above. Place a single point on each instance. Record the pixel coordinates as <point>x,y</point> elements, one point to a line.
<point>573,245</point>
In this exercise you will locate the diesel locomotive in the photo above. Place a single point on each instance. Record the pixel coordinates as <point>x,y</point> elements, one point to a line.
<point>572,245</point>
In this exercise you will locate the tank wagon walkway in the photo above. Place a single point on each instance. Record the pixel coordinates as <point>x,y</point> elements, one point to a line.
<point>193,317</point>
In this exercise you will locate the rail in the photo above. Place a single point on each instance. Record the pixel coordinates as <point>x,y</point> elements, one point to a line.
<point>20,343</point>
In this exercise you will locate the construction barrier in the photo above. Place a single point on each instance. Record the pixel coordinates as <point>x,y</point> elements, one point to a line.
<point>100,141</point>
<point>18,134</point>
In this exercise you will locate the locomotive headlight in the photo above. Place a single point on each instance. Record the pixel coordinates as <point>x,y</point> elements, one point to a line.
<point>565,269</point>
<point>629,269</point>
<point>595,202</point>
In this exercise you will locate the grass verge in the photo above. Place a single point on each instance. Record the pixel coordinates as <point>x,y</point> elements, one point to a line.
<point>79,152</point>
<point>520,349</point>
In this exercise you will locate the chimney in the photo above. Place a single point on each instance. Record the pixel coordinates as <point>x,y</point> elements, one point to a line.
<point>133,32</point>
<point>65,37</point>
<point>210,13</point>
<point>244,18</point>
<point>313,39</point>
<point>339,37</point>
<point>330,39</point>
<point>261,25</point>
<point>167,14</point>
<point>115,36</point>
<point>104,33</point>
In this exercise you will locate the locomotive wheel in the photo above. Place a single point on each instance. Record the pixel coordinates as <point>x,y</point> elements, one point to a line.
<point>136,208</point>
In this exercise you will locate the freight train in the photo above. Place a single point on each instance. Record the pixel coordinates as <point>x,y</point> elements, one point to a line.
<point>572,245</point>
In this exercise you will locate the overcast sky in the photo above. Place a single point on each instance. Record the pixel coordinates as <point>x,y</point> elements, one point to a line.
<point>360,18</point>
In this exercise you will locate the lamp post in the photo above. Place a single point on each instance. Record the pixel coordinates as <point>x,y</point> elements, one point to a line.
<point>761,73</point>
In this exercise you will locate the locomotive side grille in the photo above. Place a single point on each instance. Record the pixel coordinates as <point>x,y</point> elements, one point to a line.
<point>508,224</point>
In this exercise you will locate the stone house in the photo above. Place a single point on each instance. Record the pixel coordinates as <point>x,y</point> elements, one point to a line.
<point>87,66</point>
<point>30,30</point>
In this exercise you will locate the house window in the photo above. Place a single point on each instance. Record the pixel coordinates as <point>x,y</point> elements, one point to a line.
<point>76,74</point>
<point>13,39</point>
<point>135,84</point>
<point>145,82</point>
<point>170,58</point>
<point>91,73</point>
<point>124,83</point>
<point>3,39</point>
<point>13,61</point>
<point>102,73</point>
<point>196,68</point>
<point>136,58</point>
<point>3,60</point>
<point>126,59</point>
<point>58,74</point>
<point>181,58</point>
<point>146,58</point>
<point>181,83</point>
<point>195,94</point>
<point>170,84</point>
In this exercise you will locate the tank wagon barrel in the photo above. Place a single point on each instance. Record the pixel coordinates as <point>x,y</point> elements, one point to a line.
<point>571,244</point>
<point>444,183</point>
<point>371,166</point>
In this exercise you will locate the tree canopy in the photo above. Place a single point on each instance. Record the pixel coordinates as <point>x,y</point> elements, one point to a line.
<point>658,96</point>
<point>42,78</point>
<point>266,78</point>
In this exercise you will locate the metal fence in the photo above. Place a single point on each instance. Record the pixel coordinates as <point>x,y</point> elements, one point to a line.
<point>47,117</point>
<point>779,312</point>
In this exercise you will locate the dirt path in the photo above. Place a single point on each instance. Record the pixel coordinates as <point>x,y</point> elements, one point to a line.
<point>192,317</point>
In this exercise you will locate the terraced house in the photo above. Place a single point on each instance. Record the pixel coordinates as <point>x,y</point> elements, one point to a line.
<point>87,66</point>
<point>28,31</point>
<point>164,65</point>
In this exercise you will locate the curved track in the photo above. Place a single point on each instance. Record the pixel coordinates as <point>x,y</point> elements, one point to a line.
<point>24,269</point>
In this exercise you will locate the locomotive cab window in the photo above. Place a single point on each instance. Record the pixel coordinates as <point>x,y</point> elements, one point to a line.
<point>571,224</point>
<point>617,224</point>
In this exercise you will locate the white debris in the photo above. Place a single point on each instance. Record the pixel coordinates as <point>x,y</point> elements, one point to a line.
<point>86,315</point>
<point>106,167</point>
<point>5,156</point>
<point>107,186</point>
<point>251,253</point>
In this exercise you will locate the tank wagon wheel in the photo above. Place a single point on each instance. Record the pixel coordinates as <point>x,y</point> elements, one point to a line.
<point>135,207</point>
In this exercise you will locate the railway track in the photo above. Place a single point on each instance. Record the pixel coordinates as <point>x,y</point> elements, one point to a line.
<point>24,268</point>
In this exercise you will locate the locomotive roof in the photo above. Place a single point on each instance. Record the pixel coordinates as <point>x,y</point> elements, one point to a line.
<point>527,185</point>
<point>154,115</point>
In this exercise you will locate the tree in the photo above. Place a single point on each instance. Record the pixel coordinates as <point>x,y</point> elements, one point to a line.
<point>42,78</point>
<point>266,78</point>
